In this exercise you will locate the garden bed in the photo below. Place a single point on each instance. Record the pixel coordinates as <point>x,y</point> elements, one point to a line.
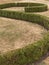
<point>34,51</point>
<point>16,34</point>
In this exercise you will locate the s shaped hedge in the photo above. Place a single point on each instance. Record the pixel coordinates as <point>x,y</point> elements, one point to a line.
<point>32,52</point>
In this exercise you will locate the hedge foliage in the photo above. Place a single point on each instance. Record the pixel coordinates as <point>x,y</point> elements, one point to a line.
<point>2,6</point>
<point>36,9</point>
<point>29,7</point>
<point>32,52</point>
<point>27,17</point>
<point>33,7</point>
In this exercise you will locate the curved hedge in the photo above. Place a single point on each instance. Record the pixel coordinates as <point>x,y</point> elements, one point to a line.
<point>33,7</point>
<point>32,52</point>
<point>29,7</point>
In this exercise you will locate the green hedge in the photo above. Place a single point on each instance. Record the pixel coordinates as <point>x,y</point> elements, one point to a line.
<point>2,6</point>
<point>29,4</point>
<point>29,7</point>
<point>33,7</point>
<point>32,52</point>
<point>27,17</point>
<point>36,9</point>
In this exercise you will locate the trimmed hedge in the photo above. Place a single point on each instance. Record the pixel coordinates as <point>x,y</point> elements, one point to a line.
<point>36,9</point>
<point>32,52</point>
<point>29,7</point>
<point>2,6</point>
<point>33,7</point>
<point>27,17</point>
<point>29,4</point>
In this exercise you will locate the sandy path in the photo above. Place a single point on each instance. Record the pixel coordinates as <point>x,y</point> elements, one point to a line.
<point>8,1</point>
<point>17,34</point>
<point>21,9</point>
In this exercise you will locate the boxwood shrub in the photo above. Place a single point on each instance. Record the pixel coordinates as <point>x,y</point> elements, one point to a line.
<point>8,5</point>
<point>26,16</point>
<point>29,7</point>
<point>36,9</point>
<point>32,52</point>
<point>33,7</point>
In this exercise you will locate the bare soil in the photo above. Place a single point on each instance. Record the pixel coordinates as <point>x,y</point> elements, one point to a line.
<point>21,9</point>
<point>46,61</point>
<point>16,34</point>
<point>8,1</point>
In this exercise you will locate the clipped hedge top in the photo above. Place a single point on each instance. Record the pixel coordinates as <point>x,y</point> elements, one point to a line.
<point>29,7</point>
<point>32,52</point>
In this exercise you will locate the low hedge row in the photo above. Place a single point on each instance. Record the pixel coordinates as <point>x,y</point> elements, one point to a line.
<point>29,7</point>
<point>27,17</point>
<point>16,5</point>
<point>24,4</point>
<point>36,9</point>
<point>2,6</point>
<point>33,7</point>
<point>32,52</point>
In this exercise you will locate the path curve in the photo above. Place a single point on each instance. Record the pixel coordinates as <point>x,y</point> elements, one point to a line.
<point>24,55</point>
